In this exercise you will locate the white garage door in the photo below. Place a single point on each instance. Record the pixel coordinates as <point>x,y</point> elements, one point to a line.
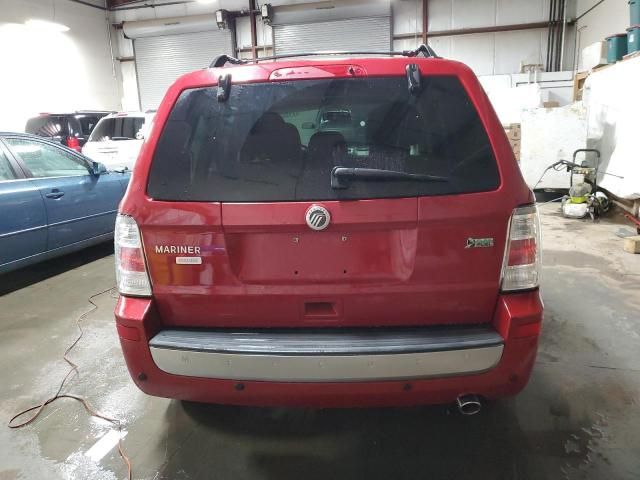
<point>162,59</point>
<point>372,33</point>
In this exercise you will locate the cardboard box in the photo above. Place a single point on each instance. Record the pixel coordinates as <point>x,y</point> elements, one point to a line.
<point>515,146</point>
<point>578,85</point>
<point>513,131</point>
<point>632,244</point>
<point>551,104</point>
<point>514,135</point>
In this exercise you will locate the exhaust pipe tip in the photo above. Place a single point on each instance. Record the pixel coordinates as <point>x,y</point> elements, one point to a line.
<point>468,404</point>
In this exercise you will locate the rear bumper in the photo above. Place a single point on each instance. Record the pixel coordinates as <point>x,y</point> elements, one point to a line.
<point>492,361</point>
<point>327,355</point>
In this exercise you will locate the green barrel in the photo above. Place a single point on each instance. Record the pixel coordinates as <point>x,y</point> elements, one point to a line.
<point>634,12</point>
<point>616,47</point>
<point>633,38</point>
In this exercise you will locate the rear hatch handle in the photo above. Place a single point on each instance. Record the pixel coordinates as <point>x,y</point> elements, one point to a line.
<point>340,176</point>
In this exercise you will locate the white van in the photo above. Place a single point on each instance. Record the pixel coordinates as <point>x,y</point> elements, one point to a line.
<point>116,139</point>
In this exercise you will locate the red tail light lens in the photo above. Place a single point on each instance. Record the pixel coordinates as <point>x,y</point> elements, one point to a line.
<point>522,252</point>
<point>521,264</point>
<point>73,143</point>
<point>131,259</point>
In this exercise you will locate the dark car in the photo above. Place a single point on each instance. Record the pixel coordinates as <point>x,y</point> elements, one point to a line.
<point>52,200</point>
<point>70,129</point>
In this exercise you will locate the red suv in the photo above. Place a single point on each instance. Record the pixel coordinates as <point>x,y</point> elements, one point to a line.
<point>331,232</point>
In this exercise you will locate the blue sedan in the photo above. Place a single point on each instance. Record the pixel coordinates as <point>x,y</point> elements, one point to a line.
<point>52,200</point>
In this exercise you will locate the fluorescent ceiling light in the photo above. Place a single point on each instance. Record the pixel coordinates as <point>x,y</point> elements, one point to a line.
<point>46,26</point>
<point>206,1</point>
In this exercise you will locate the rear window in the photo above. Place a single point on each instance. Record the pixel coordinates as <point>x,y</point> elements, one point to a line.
<point>83,124</point>
<point>46,126</point>
<point>117,128</point>
<point>280,141</point>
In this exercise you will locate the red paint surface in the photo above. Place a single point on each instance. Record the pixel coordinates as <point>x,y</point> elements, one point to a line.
<point>388,262</point>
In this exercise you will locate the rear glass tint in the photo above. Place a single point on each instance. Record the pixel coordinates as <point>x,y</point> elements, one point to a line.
<point>117,128</point>
<point>46,126</point>
<point>280,141</point>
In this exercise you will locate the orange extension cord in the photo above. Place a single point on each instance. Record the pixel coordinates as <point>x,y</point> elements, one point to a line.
<point>87,406</point>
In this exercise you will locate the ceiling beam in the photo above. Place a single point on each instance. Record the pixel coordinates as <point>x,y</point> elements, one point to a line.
<point>118,3</point>
<point>469,31</point>
<point>115,5</point>
<point>88,4</point>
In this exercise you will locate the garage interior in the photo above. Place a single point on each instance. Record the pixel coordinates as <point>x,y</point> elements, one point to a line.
<point>558,85</point>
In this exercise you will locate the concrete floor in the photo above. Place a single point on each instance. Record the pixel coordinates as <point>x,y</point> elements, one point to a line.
<point>578,418</point>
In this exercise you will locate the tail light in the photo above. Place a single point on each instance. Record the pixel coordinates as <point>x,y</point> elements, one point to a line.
<point>521,264</point>
<point>73,143</point>
<point>131,268</point>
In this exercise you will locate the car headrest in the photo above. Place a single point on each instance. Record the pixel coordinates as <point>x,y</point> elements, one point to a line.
<point>326,141</point>
<point>269,121</point>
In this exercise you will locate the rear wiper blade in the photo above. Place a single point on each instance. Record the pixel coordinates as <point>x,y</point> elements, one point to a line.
<point>340,176</point>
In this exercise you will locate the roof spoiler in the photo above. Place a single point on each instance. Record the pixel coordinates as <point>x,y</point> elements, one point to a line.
<point>424,50</point>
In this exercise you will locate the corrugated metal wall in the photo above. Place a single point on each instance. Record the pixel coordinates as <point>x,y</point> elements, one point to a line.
<point>162,59</point>
<point>485,53</point>
<point>373,33</point>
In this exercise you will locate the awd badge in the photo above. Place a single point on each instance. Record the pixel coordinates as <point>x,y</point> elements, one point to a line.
<point>479,242</point>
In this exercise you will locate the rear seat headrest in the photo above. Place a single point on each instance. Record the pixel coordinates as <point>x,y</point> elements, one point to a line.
<point>268,121</point>
<point>324,140</point>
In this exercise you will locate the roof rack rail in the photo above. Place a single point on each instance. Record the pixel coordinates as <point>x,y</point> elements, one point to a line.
<point>424,50</point>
